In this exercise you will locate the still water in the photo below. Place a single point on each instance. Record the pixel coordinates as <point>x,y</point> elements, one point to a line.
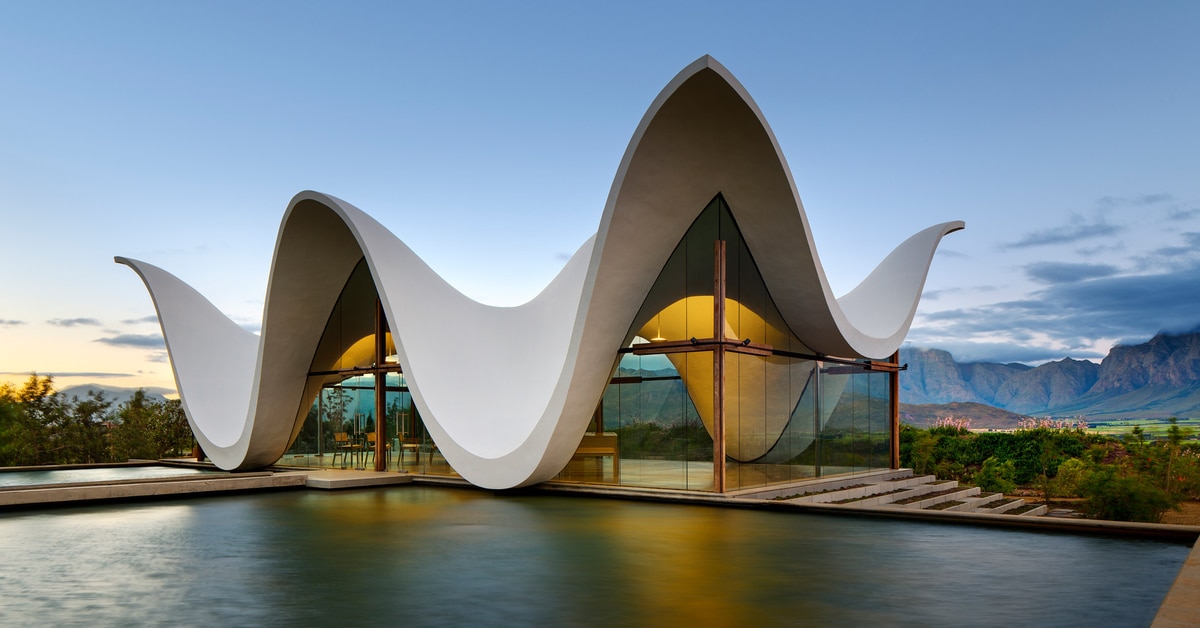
<point>33,477</point>
<point>435,556</point>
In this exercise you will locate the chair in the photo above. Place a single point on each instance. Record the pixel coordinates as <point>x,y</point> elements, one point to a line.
<point>371,446</point>
<point>342,446</point>
<point>408,444</point>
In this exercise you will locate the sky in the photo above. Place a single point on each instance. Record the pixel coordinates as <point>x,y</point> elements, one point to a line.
<point>486,135</point>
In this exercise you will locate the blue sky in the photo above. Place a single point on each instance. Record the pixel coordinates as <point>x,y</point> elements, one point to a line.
<point>486,135</point>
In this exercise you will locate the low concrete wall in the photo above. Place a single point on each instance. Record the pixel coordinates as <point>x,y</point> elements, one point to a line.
<point>136,489</point>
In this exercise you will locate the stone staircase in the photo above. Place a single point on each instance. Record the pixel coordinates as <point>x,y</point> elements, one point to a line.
<point>901,489</point>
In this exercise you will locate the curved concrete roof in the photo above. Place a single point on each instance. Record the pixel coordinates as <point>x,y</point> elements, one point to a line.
<point>703,135</point>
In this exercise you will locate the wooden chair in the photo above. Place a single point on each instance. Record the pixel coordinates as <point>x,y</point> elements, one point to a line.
<point>408,444</point>
<point>371,446</point>
<point>342,446</point>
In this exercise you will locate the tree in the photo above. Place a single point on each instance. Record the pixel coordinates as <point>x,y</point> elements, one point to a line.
<point>20,436</point>
<point>148,429</point>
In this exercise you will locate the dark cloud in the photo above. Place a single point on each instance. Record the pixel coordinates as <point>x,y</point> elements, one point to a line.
<point>1065,272</point>
<point>157,356</point>
<point>146,341</point>
<point>10,323</point>
<point>1064,235</point>
<point>74,322</point>
<point>1191,238</point>
<point>1072,315</point>
<point>138,321</point>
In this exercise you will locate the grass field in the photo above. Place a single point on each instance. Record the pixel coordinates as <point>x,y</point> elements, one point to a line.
<point>1154,428</point>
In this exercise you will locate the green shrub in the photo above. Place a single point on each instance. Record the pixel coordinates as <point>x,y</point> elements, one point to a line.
<point>996,476</point>
<point>1117,497</point>
<point>1070,477</point>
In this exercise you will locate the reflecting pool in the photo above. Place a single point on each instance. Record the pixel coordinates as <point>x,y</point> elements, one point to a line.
<point>30,477</point>
<point>435,556</point>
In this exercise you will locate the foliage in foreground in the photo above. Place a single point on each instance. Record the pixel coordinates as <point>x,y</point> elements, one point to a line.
<point>1132,479</point>
<point>39,425</point>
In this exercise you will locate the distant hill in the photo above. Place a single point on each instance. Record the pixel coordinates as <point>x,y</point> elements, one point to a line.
<point>116,394</point>
<point>1156,379</point>
<point>981,415</point>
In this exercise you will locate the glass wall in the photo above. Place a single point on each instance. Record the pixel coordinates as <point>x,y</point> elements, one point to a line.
<point>337,423</point>
<point>786,414</point>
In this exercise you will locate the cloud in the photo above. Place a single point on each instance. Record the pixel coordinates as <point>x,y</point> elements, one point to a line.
<point>1078,230</point>
<point>1065,272</point>
<point>72,374</point>
<point>146,341</point>
<point>1176,213</point>
<point>944,252</point>
<point>1138,200</point>
<point>1105,249</point>
<point>934,295</point>
<point>1169,251</point>
<point>10,323</point>
<point>138,321</point>
<point>1068,318</point>
<point>74,322</point>
<point>1171,257</point>
<point>157,356</point>
<point>966,351</point>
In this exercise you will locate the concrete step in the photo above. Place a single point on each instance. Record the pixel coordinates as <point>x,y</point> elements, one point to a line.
<point>1003,506</point>
<point>953,493</point>
<point>869,490</point>
<point>808,488</point>
<point>1040,510</point>
<point>974,504</point>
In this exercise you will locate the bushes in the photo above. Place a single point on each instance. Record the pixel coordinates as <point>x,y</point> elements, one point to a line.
<point>996,476</point>
<point>956,453</point>
<point>1134,479</point>
<point>1111,495</point>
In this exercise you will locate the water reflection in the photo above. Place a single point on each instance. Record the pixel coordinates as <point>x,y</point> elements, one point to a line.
<point>451,557</point>
<point>33,477</point>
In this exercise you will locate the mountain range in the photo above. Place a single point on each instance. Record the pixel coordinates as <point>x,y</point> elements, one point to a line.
<point>1156,379</point>
<point>116,394</point>
<point>1159,378</point>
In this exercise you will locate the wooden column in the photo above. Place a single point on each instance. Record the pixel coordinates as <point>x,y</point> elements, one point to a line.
<point>894,406</point>
<point>719,366</point>
<point>381,461</point>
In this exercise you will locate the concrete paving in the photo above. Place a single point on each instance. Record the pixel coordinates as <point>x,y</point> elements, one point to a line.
<point>24,496</point>
<point>1182,604</point>
<point>334,479</point>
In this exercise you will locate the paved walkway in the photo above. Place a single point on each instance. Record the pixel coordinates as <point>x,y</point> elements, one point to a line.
<point>1182,604</point>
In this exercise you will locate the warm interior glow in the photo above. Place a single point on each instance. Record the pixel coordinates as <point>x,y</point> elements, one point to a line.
<point>753,423</point>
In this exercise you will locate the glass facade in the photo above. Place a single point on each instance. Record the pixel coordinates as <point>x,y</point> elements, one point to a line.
<point>354,380</point>
<point>681,393</point>
<point>711,391</point>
